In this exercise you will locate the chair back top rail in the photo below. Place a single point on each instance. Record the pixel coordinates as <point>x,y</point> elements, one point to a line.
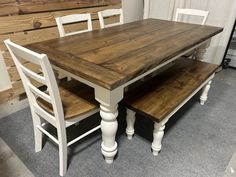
<point>73,18</point>
<point>108,13</point>
<point>192,12</point>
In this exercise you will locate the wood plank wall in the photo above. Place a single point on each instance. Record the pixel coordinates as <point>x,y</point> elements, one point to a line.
<point>29,21</point>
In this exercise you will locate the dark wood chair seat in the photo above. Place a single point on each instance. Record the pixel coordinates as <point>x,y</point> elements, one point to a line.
<point>162,94</point>
<point>77,99</point>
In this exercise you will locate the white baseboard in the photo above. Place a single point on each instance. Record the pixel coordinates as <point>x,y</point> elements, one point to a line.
<point>12,107</point>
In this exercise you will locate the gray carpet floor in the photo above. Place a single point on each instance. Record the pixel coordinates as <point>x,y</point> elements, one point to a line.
<point>199,141</point>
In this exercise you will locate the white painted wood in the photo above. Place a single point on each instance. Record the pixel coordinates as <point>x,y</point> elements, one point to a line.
<point>38,136</point>
<point>158,134</point>
<point>39,93</point>
<point>192,12</point>
<point>73,19</point>
<point>109,127</point>
<point>78,119</point>
<point>33,75</point>
<point>47,133</point>
<point>53,97</point>
<point>84,135</point>
<point>205,91</point>
<point>108,13</point>
<point>109,111</point>
<point>46,116</point>
<point>130,120</point>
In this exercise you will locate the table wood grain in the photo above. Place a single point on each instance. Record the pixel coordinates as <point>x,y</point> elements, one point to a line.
<point>113,56</point>
<point>161,95</point>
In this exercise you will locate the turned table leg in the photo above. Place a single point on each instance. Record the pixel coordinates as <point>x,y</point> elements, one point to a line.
<point>205,91</point>
<point>109,127</point>
<point>109,111</point>
<point>130,120</point>
<point>158,134</point>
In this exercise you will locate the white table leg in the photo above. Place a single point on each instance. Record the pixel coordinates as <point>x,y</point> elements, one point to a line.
<point>109,127</point>
<point>200,52</point>
<point>205,91</point>
<point>130,120</point>
<point>109,111</point>
<point>158,134</point>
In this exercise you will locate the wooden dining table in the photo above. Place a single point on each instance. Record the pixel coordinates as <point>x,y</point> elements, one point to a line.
<point>111,59</point>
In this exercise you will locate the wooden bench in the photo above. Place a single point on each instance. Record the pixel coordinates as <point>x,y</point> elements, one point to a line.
<point>166,93</point>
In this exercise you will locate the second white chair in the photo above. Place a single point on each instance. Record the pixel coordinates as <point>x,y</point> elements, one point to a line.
<point>109,13</point>
<point>73,19</point>
<point>192,12</point>
<point>60,106</point>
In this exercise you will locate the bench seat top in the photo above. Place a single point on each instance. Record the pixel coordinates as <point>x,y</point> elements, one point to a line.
<point>162,94</point>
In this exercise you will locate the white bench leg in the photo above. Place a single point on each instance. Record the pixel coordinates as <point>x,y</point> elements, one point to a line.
<point>130,120</point>
<point>158,134</point>
<point>205,91</point>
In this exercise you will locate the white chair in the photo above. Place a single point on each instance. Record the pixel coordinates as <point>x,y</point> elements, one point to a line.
<point>60,106</point>
<point>109,13</point>
<point>192,12</point>
<point>73,19</point>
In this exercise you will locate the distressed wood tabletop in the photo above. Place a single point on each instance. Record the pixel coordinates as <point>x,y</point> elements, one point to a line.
<point>111,57</point>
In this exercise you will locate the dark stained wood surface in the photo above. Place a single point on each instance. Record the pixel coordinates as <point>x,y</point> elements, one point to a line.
<point>113,56</point>
<point>77,99</point>
<point>162,94</point>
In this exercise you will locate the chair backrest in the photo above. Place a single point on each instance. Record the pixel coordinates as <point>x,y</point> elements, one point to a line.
<point>192,12</point>
<point>52,96</point>
<point>109,13</point>
<point>73,19</point>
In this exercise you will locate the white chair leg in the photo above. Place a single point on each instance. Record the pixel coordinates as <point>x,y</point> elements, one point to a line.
<point>130,120</point>
<point>158,134</point>
<point>62,143</point>
<point>38,135</point>
<point>205,91</point>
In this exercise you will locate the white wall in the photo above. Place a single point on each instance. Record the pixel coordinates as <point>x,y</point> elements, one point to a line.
<point>133,10</point>
<point>5,82</point>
